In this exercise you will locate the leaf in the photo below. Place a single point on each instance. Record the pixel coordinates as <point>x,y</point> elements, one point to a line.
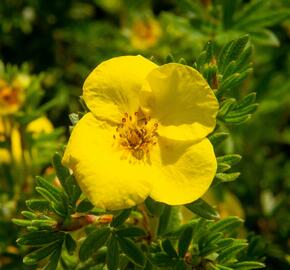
<point>217,138</point>
<point>55,192</point>
<point>121,218</point>
<point>39,254</point>
<point>184,241</point>
<point>28,214</point>
<point>38,205</point>
<point>265,37</point>
<point>84,206</point>
<point>154,208</point>
<point>222,167</point>
<point>203,209</point>
<point>61,171</point>
<point>48,224</point>
<point>93,242</point>
<point>70,244</point>
<point>238,120</point>
<point>132,251</point>
<point>113,254</point>
<point>230,252</point>
<point>39,238</point>
<point>163,260</point>
<point>53,259</point>
<point>164,220</point>
<point>247,100</point>
<point>22,222</point>
<point>131,232</point>
<point>243,111</point>
<point>226,225</point>
<point>231,159</point>
<point>168,248</point>
<point>226,107</point>
<point>248,265</point>
<point>228,7</point>
<point>180,265</point>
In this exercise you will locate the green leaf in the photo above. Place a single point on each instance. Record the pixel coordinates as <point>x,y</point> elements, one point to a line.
<point>39,238</point>
<point>39,254</point>
<point>154,208</point>
<point>121,218</point>
<point>84,206</point>
<point>48,224</point>
<point>246,101</point>
<point>132,251</point>
<point>38,205</point>
<point>222,167</point>
<point>113,254</point>
<point>228,7</point>
<point>164,220</point>
<point>230,252</point>
<point>56,193</point>
<point>61,171</point>
<point>53,259</point>
<point>184,241</point>
<point>226,107</point>
<point>22,222</point>
<point>248,265</point>
<point>131,232</point>
<point>168,248</point>
<point>217,138</point>
<point>243,111</point>
<point>28,214</point>
<point>70,244</point>
<point>93,242</point>
<point>227,177</point>
<point>231,159</point>
<point>203,209</point>
<point>163,260</point>
<point>226,225</point>
<point>180,266</point>
<point>238,120</point>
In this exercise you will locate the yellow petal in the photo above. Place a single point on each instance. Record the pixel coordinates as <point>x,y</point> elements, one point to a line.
<point>113,87</point>
<point>182,101</point>
<point>186,171</point>
<point>108,180</point>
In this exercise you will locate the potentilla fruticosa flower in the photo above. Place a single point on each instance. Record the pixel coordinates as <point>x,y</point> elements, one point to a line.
<point>145,134</point>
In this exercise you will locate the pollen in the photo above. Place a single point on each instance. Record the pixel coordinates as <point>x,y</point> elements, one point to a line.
<point>136,134</point>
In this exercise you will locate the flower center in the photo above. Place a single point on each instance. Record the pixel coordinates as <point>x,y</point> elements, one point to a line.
<point>136,134</point>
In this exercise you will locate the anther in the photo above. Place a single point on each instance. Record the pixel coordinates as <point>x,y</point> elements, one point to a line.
<point>124,120</point>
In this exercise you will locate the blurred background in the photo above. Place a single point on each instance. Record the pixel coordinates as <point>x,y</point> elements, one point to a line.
<point>47,48</point>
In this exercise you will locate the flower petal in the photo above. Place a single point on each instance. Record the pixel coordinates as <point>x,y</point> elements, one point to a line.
<point>186,170</point>
<point>112,88</point>
<point>182,101</point>
<point>109,181</point>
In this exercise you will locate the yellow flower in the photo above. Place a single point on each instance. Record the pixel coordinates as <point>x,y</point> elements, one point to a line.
<point>36,127</point>
<point>12,95</point>
<point>145,134</point>
<point>145,33</point>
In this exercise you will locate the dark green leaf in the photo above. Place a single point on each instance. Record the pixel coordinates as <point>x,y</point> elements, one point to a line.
<point>39,238</point>
<point>132,251</point>
<point>131,232</point>
<point>53,259</point>
<point>180,266</point>
<point>39,254</point>
<point>231,159</point>
<point>230,252</point>
<point>84,206</point>
<point>121,218</point>
<point>28,214</point>
<point>203,209</point>
<point>163,260</point>
<point>227,224</point>
<point>113,254</point>
<point>70,244</point>
<point>22,222</point>
<point>164,220</point>
<point>217,138</point>
<point>61,171</point>
<point>93,242</point>
<point>184,241</point>
<point>155,208</point>
<point>168,248</point>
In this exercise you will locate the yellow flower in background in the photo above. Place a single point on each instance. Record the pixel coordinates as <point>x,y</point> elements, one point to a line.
<point>36,127</point>
<point>145,33</point>
<point>145,134</point>
<point>12,95</point>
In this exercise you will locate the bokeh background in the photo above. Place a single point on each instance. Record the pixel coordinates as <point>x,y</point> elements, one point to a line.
<point>57,43</point>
